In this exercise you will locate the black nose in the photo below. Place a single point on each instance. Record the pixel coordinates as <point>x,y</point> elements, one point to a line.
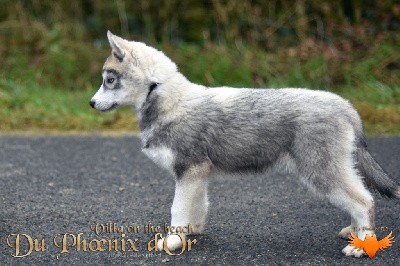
<point>92,103</point>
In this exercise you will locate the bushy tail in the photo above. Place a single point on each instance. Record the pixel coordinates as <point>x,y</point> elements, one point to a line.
<point>375,176</point>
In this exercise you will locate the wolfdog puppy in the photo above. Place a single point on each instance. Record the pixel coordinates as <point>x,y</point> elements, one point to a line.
<point>193,131</point>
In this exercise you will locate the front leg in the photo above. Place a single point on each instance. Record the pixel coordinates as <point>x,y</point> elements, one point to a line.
<point>190,203</point>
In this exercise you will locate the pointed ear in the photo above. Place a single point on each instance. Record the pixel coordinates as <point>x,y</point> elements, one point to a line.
<point>116,44</point>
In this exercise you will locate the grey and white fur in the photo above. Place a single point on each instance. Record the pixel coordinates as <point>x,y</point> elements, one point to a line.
<point>194,131</point>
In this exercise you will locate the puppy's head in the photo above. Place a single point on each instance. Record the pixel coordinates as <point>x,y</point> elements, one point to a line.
<point>129,73</point>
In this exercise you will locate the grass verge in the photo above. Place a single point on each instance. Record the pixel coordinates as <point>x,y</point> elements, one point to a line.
<point>43,109</point>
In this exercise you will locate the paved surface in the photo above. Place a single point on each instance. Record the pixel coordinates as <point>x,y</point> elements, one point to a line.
<point>58,185</point>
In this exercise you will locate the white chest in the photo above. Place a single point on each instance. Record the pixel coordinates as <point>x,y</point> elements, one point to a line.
<point>162,156</point>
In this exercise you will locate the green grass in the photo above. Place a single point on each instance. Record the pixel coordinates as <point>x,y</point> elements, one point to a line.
<point>29,107</point>
<point>53,93</point>
<point>43,109</point>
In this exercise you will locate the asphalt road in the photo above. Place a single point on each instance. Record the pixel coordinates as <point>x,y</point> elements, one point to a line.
<point>52,186</point>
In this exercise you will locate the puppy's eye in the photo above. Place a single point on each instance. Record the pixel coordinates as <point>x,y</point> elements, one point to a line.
<point>110,80</point>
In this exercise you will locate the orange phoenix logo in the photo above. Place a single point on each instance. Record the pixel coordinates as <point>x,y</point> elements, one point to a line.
<point>371,245</point>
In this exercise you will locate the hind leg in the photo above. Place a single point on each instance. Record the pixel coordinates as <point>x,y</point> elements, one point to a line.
<point>344,189</point>
<point>325,162</point>
<point>345,232</point>
<point>352,197</point>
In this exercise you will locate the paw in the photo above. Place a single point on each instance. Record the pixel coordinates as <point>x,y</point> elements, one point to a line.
<point>345,232</point>
<point>350,250</point>
<point>197,229</point>
<point>174,242</point>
